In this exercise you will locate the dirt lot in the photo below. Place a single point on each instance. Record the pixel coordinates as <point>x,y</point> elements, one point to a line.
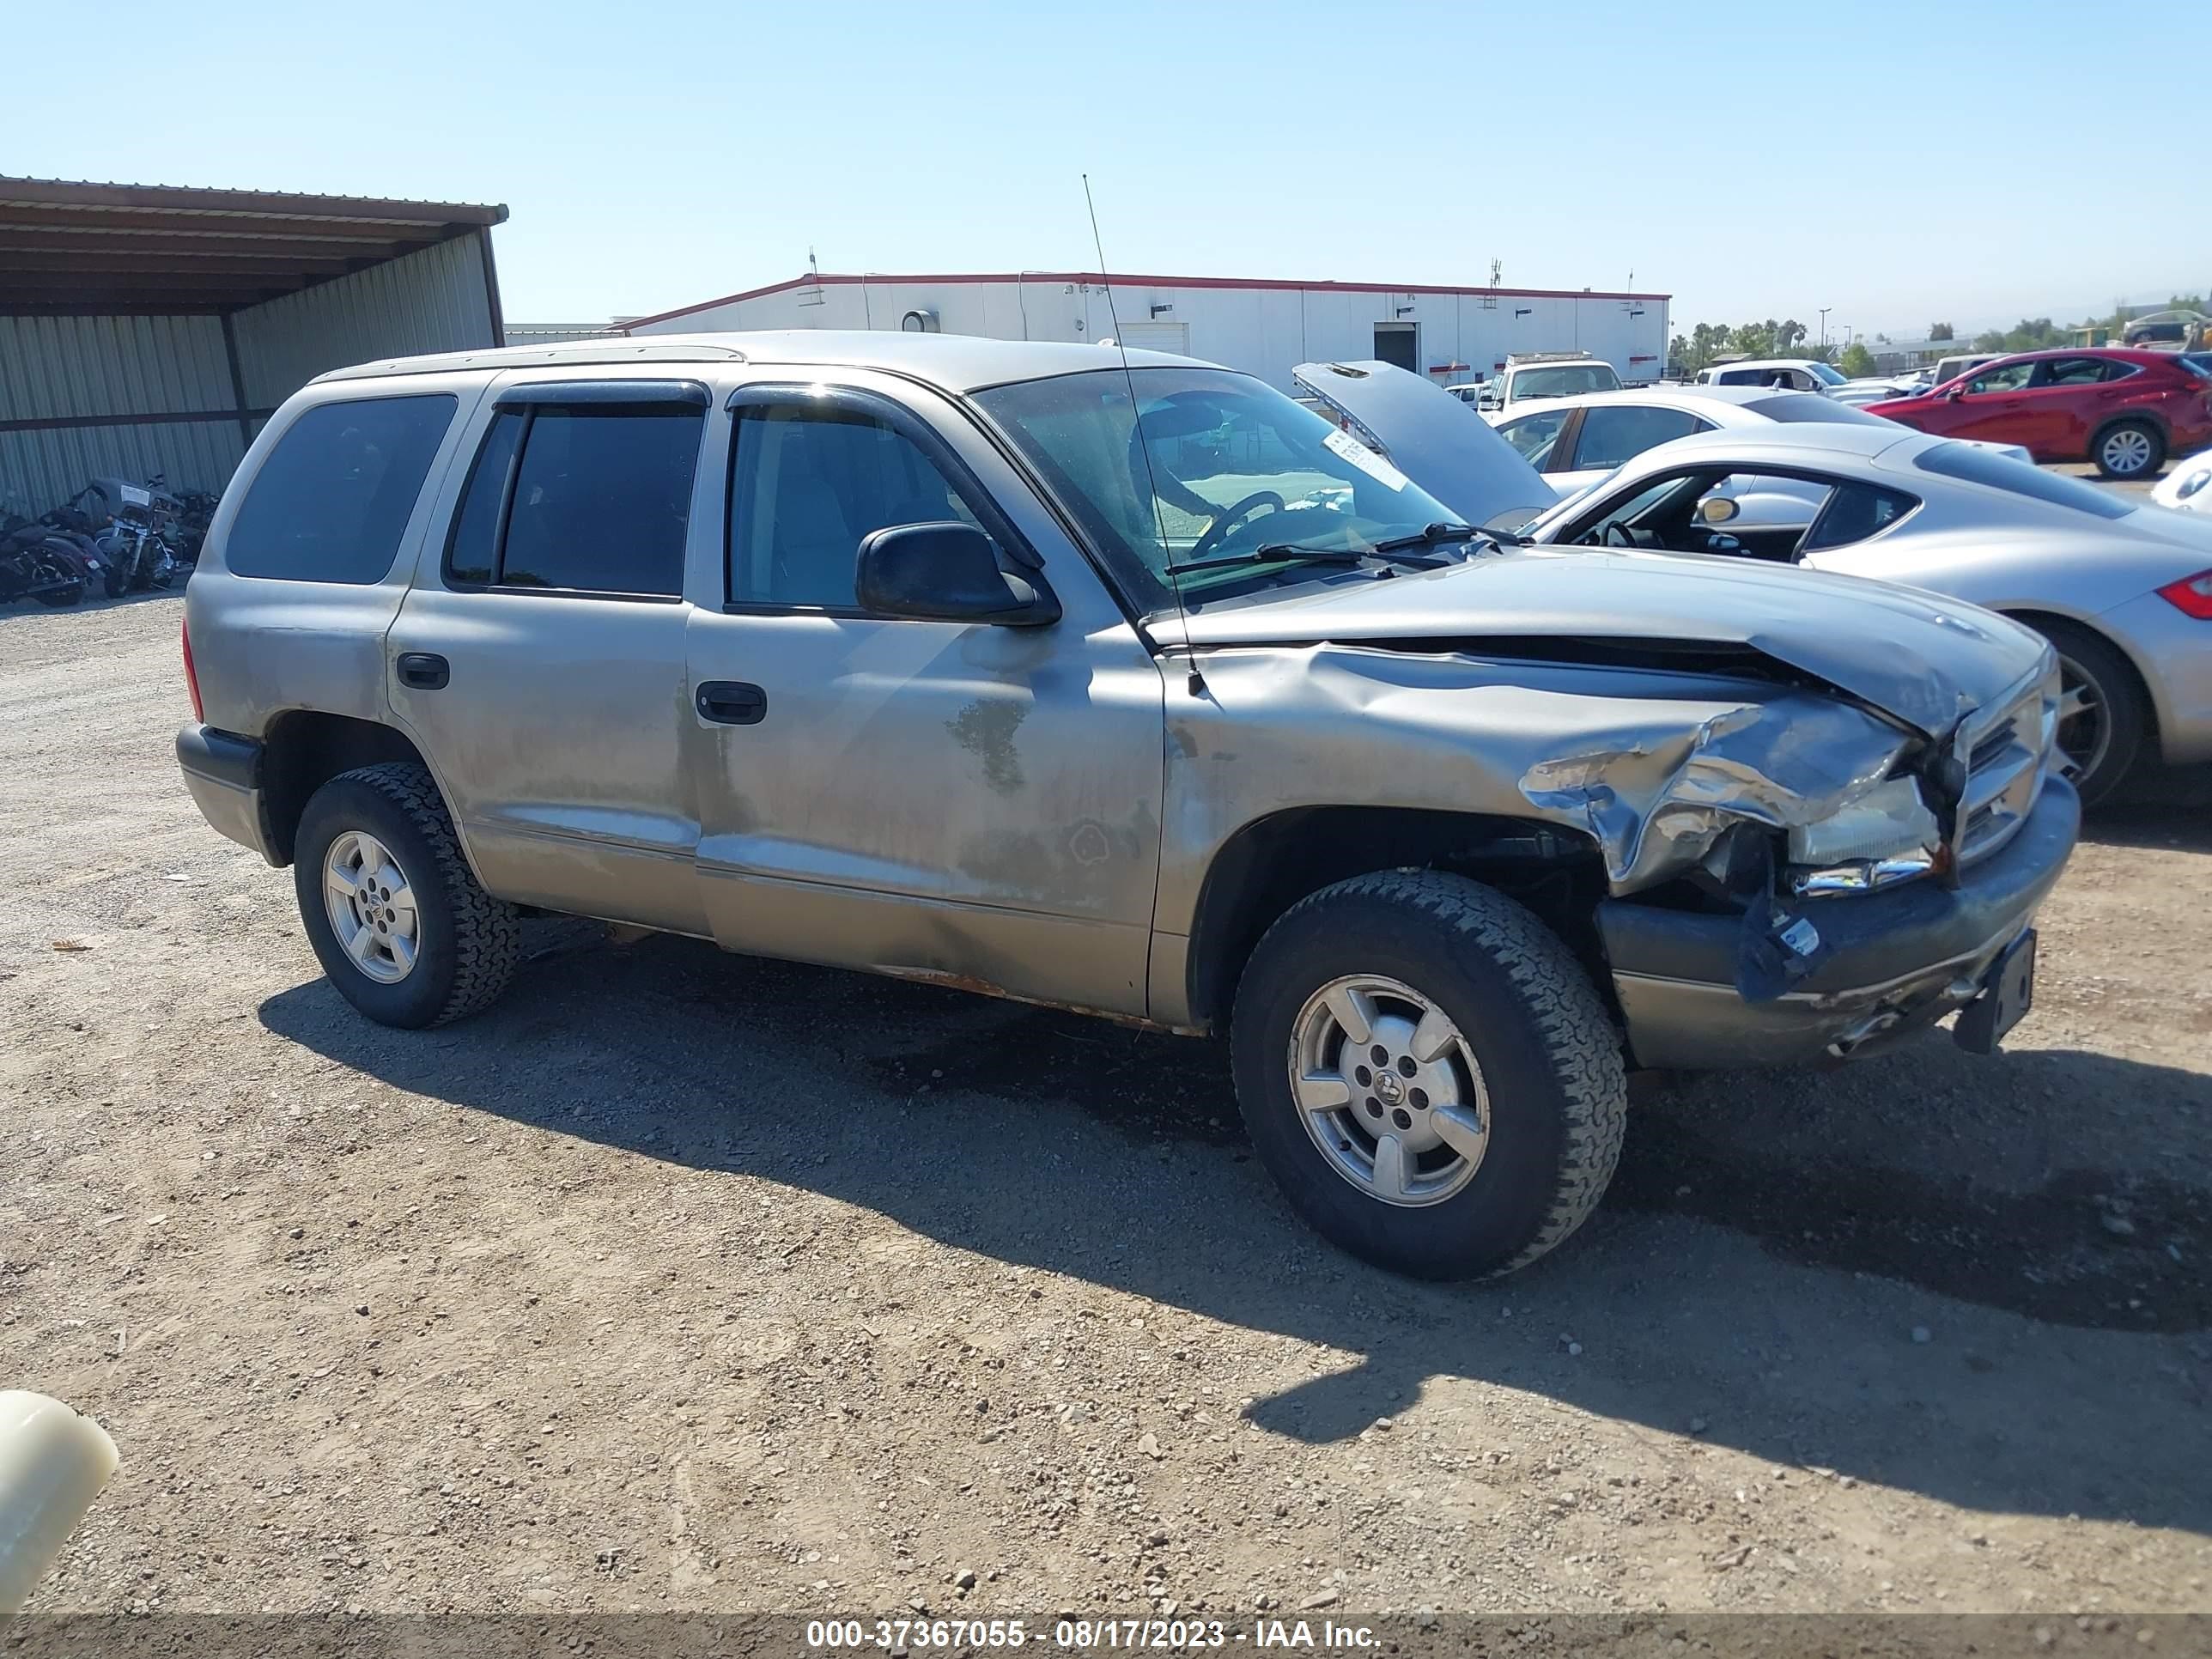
<point>684,1280</point>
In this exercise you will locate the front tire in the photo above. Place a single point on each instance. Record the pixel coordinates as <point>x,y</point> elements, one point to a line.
<point>1487,1130</point>
<point>389,903</point>
<point>2128,449</point>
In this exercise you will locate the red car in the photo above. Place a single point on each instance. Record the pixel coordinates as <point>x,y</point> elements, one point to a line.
<point>2126,411</point>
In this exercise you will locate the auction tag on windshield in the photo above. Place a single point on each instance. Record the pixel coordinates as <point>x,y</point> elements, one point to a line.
<point>1365,459</point>
<point>137,497</point>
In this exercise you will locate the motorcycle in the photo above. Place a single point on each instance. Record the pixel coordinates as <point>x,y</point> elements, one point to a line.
<point>34,566</point>
<point>131,541</point>
<point>195,509</point>
<point>83,525</point>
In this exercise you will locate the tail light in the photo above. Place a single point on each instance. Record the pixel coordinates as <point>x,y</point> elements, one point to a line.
<point>192,674</point>
<point>2191,594</point>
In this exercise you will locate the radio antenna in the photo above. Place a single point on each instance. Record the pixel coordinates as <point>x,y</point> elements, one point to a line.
<point>1136,416</point>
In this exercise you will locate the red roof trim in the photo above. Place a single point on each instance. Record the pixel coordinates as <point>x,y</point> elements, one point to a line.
<point>1126,280</point>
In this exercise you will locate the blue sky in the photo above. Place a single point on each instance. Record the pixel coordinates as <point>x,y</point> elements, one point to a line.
<point>1961,159</point>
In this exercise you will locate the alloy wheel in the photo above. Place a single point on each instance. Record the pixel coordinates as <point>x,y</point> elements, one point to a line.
<point>1388,1090</point>
<point>371,907</point>
<point>2085,733</point>
<point>2126,452</point>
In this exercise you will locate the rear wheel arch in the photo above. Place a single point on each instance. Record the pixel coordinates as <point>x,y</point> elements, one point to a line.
<point>2149,419</point>
<point>1271,863</point>
<point>303,748</point>
<point>2062,631</point>
<point>2044,621</point>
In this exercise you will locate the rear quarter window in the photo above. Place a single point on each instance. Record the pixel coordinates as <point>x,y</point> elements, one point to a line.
<point>1813,406</point>
<point>1984,467</point>
<point>333,498</point>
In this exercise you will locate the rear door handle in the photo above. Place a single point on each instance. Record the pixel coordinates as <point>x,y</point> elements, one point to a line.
<point>426,670</point>
<point>732,702</point>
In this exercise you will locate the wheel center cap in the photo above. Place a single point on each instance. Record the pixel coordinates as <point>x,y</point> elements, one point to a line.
<point>1388,1089</point>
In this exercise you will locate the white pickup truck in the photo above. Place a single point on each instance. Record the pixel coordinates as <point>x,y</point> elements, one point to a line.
<point>1540,375</point>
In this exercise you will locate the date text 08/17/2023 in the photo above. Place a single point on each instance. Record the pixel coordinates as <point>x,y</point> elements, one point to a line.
<point>923,1634</point>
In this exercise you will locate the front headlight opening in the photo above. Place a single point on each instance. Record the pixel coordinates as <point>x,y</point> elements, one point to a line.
<point>1887,835</point>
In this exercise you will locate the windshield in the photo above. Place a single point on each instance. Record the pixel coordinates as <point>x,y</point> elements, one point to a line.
<point>1565,381</point>
<point>1825,375</point>
<point>1220,465</point>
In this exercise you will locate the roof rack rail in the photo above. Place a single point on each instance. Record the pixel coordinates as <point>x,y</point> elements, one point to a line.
<point>552,356</point>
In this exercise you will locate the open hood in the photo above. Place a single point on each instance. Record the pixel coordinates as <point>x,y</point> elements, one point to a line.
<point>1918,657</point>
<point>1433,438</point>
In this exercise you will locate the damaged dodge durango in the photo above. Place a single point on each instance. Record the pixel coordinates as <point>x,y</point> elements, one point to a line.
<point>1123,683</point>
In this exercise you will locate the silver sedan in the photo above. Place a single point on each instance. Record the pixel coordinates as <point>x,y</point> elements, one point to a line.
<point>2123,591</point>
<point>1576,441</point>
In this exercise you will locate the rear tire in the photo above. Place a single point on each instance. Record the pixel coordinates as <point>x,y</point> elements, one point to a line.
<point>462,942</point>
<point>1535,1064</point>
<point>2128,449</point>
<point>2102,739</point>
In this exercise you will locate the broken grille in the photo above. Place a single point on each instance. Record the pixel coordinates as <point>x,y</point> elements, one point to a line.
<point>2006,754</point>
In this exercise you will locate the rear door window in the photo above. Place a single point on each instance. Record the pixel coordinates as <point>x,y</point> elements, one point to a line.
<point>1611,436</point>
<point>1535,435</point>
<point>593,497</point>
<point>2077,371</point>
<point>333,498</point>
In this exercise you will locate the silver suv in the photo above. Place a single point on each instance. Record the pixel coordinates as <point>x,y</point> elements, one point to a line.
<point>1130,686</point>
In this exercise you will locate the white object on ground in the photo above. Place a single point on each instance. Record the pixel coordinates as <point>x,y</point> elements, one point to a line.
<point>53,1463</point>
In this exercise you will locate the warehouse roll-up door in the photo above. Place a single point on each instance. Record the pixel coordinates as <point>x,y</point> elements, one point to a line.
<point>1157,336</point>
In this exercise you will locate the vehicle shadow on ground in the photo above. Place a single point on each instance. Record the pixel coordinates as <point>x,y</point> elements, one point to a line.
<point>2158,807</point>
<point>1761,1293</point>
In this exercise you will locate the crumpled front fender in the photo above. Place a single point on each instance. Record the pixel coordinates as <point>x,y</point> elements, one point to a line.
<point>1657,795</point>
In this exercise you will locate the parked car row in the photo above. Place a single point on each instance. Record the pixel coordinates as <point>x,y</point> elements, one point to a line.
<point>2125,411</point>
<point>1576,441</point>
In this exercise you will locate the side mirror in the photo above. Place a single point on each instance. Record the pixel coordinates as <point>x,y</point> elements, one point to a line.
<point>1955,394</point>
<point>1717,509</point>
<point>946,572</point>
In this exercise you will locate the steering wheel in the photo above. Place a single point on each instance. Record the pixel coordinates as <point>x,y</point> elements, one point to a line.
<point>1223,522</point>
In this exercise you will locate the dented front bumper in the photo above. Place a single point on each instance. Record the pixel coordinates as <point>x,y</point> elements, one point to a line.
<point>1900,960</point>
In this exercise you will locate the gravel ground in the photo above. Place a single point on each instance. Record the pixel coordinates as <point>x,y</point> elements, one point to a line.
<point>685,1280</point>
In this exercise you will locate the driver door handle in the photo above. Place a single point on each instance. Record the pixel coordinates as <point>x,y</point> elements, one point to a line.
<point>732,702</point>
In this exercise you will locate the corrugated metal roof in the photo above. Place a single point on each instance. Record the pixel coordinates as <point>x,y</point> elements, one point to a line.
<point>74,246</point>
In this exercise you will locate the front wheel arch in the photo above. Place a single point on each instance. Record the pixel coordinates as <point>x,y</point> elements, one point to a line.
<point>1269,864</point>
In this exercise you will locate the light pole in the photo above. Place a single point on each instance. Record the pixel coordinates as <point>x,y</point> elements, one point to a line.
<point>1824,310</point>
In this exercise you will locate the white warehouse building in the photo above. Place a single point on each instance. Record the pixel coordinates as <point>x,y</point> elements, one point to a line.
<point>1265,328</point>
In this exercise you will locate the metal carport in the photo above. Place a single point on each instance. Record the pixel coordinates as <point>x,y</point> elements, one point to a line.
<point>150,329</point>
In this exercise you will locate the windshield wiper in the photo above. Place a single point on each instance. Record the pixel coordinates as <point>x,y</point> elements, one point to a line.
<point>1275,553</point>
<point>1429,536</point>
